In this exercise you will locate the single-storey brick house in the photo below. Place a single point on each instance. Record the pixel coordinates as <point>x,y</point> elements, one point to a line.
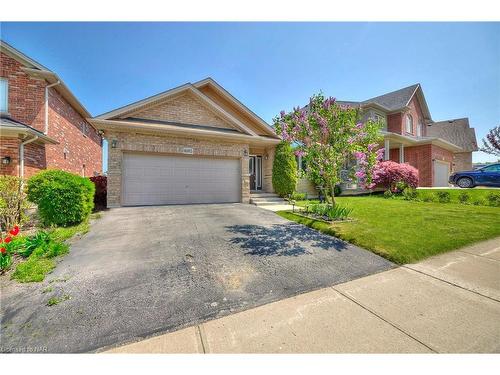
<point>42,124</point>
<point>192,144</point>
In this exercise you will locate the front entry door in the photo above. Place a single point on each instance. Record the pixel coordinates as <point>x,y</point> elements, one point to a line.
<point>255,171</point>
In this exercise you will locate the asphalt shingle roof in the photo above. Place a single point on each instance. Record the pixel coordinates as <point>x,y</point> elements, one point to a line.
<point>394,100</point>
<point>457,131</point>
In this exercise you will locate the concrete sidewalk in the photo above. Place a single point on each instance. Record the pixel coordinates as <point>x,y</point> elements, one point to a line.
<point>445,304</point>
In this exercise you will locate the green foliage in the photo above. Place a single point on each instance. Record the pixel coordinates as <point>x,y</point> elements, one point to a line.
<point>63,198</point>
<point>443,197</point>
<point>329,211</point>
<point>39,240</point>
<point>388,194</point>
<point>33,270</point>
<point>56,300</point>
<point>298,196</point>
<point>5,261</point>
<point>493,199</point>
<point>337,190</point>
<point>13,202</point>
<point>284,170</point>
<point>409,194</point>
<point>479,202</point>
<point>463,197</point>
<point>429,197</point>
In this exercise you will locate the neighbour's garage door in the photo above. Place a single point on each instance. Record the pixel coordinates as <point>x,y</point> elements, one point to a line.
<point>441,173</point>
<point>159,179</point>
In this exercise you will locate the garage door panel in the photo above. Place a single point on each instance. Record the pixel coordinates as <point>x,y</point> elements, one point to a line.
<point>160,179</point>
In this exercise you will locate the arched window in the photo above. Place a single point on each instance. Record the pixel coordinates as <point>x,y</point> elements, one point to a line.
<point>409,124</point>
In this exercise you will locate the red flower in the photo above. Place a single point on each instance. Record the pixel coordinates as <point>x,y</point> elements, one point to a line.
<point>14,231</point>
<point>2,250</point>
<point>7,239</point>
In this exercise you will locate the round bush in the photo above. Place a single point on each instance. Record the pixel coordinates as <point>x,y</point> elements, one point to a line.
<point>284,170</point>
<point>63,198</point>
<point>395,176</point>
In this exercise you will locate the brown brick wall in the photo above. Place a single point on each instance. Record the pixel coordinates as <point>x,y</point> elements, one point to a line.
<point>462,161</point>
<point>416,112</point>
<point>394,123</point>
<point>185,109</point>
<point>132,142</point>
<point>9,147</point>
<point>27,105</point>
<point>420,157</point>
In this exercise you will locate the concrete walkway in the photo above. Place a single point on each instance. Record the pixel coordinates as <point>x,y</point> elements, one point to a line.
<point>445,304</point>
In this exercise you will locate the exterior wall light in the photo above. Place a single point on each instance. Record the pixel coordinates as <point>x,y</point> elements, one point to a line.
<point>245,152</point>
<point>114,143</point>
<point>6,160</point>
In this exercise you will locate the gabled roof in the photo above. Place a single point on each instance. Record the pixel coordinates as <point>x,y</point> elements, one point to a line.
<point>193,88</point>
<point>37,70</point>
<point>456,131</point>
<point>395,101</point>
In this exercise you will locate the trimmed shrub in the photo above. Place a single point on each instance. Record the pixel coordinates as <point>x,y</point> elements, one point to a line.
<point>284,170</point>
<point>298,196</point>
<point>463,197</point>
<point>409,194</point>
<point>479,202</point>
<point>443,197</point>
<point>388,194</point>
<point>429,197</point>
<point>493,199</point>
<point>395,176</point>
<point>63,198</point>
<point>101,191</point>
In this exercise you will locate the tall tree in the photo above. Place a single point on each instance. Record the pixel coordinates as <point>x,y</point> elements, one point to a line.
<point>327,136</point>
<point>491,144</point>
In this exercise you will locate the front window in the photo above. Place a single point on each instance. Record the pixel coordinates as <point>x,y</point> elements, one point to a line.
<point>4,95</point>
<point>301,164</point>
<point>409,124</point>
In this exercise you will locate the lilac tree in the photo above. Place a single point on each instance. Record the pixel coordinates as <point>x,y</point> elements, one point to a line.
<point>491,144</point>
<point>328,135</point>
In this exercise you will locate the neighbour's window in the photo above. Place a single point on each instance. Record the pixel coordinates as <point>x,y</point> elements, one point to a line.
<point>4,95</point>
<point>378,117</point>
<point>409,124</point>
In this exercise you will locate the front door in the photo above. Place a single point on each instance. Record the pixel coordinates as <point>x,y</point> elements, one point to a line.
<point>255,171</point>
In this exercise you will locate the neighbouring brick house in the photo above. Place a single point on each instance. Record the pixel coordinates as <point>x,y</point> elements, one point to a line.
<point>192,144</point>
<point>42,124</point>
<point>436,149</point>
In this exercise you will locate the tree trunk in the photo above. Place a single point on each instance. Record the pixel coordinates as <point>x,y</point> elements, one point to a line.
<point>332,194</point>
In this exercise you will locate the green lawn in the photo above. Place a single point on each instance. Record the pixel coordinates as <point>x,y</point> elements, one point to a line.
<point>408,231</point>
<point>480,195</point>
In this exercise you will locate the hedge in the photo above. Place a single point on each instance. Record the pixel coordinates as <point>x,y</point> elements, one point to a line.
<point>63,198</point>
<point>284,170</point>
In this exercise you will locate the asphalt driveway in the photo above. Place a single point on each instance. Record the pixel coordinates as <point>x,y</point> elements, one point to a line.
<point>141,271</point>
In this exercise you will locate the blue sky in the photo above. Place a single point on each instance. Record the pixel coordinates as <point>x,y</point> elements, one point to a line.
<point>274,66</point>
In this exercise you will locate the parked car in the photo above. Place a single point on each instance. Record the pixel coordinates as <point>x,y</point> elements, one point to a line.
<point>485,176</point>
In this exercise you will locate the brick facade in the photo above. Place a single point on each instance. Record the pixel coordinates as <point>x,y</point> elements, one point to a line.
<point>133,142</point>
<point>79,150</point>
<point>184,109</point>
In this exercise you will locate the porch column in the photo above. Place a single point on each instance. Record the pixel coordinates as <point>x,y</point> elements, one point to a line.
<point>386,149</point>
<point>401,153</point>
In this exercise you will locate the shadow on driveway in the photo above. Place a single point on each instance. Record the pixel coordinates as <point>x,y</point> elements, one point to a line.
<point>281,240</point>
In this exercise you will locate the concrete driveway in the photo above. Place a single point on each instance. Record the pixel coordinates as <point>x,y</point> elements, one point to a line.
<point>142,271</point>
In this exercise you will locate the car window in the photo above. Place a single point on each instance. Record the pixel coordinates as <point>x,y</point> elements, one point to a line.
<point>492,168</point>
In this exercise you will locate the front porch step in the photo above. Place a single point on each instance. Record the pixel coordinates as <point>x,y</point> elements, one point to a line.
<point>263,195</point>
<point>266,199</point>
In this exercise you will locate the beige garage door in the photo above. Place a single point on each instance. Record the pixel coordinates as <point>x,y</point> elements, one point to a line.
<point>159,179</point>
<point>441,173</point>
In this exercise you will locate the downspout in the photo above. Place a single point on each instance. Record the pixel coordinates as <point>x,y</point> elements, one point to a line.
<point>46,130</point>
<point>21,155</point>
